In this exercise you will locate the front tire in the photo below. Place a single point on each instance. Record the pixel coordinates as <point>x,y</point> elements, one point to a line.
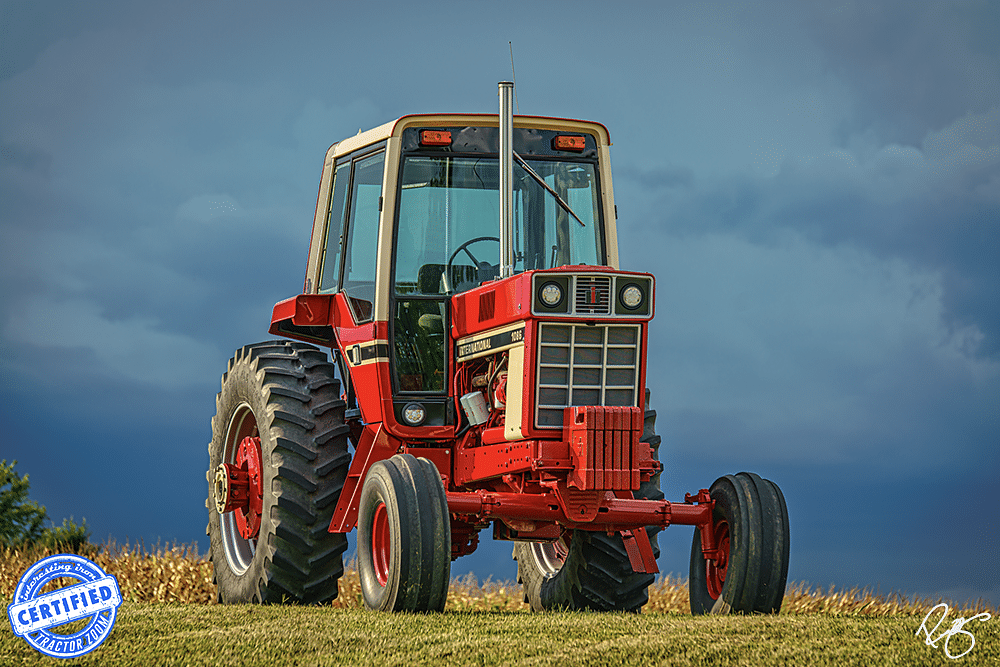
<point>590,570</point>
<point>283,396</point>
<point>751,529</point>
<point>404,536</point>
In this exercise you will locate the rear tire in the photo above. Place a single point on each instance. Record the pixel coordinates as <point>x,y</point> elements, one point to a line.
<point>404,536</point>
<point>286,393</point>
<point>751,527</point>
<point>590,570</point>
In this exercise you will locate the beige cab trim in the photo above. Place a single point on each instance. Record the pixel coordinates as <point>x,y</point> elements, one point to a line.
<point>513,412</point>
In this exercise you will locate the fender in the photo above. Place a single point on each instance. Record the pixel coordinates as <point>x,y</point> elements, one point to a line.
<point>306,317</point>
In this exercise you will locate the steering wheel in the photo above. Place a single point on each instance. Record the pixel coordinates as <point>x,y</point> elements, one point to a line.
<point>483,269</point>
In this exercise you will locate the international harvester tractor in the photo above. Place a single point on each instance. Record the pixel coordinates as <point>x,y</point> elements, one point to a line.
<point>491,355</point>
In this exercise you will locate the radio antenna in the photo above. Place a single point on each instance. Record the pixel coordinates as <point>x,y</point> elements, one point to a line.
<point>513,77</point>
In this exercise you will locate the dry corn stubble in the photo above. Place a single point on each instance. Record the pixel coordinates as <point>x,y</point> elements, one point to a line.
<point>179,574</point>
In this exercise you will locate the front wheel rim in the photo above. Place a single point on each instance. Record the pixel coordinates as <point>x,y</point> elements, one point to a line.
<point>715,569</point>
<point>381,545</point>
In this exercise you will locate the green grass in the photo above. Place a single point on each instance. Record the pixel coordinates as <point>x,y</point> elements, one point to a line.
<point>169,617</point>
<point>193,634</point>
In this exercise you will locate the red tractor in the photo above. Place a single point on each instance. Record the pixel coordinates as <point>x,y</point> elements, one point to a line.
<point>476,388</point>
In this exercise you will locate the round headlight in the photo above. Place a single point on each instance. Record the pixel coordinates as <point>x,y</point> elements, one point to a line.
<point>551,294</point>
<point>414,414</point>
<point>632,296</point>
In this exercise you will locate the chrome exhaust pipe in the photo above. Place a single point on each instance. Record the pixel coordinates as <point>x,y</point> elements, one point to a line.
<point>506,92</point>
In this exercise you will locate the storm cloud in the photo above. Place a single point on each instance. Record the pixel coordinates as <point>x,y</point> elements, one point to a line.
<point>816,187</point>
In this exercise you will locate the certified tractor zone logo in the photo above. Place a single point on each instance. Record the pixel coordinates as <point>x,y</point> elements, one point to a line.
<point>35,615</point>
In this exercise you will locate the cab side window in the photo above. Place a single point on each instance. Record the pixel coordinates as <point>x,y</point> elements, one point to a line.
<point>361,247</point>
<point>351,249</point>
<point>330,277</point>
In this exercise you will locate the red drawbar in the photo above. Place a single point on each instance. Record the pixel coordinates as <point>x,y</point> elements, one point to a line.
<point>604,446</point>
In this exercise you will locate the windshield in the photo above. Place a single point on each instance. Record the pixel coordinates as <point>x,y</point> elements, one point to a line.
<point>447,232</point>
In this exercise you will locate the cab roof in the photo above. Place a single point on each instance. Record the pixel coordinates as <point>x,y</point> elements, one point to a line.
<point>395,128</point>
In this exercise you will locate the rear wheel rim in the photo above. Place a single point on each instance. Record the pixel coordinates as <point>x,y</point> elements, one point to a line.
<point>715,570</point>
<point>550,556</point>
<point>248,517</point>
<point>239,550</point>
<point>381,545</point>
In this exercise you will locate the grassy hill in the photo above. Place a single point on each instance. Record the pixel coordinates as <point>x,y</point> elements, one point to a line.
<point>169,617</point>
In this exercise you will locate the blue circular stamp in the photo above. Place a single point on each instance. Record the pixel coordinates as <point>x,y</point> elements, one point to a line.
<point>34,615</point>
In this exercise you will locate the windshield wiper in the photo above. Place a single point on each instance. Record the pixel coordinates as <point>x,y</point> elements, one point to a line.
<point>541,182</point>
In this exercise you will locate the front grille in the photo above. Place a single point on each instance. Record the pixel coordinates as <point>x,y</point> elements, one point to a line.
<point>584,365</point>
<point>593,295</point>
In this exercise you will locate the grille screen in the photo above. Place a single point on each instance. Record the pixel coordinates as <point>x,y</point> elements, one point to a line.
<point>593,295</point>
<point>585,365</point>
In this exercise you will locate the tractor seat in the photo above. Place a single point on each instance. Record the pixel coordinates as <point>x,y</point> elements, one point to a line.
<point>430,324</point>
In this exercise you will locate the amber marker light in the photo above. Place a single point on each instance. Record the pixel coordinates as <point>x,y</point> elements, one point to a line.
<point>435,138</point>
<point>567,143</point>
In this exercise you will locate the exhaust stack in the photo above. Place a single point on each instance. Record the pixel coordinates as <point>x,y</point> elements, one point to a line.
<point>506,92</point>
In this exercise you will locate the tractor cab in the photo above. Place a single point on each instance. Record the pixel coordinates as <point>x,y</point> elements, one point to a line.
<point>407,220</point>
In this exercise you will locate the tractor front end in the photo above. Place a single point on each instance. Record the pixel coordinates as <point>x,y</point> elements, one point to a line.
<point>550,374</point>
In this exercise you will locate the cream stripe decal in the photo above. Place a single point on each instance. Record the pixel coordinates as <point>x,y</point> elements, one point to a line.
<point>370,352</point>
<point>490,342</point>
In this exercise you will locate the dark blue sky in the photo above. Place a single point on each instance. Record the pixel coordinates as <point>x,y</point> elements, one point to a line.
<point>816,187</point>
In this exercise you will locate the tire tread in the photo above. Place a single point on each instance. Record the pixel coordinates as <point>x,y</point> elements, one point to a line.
<point>294,397</point>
